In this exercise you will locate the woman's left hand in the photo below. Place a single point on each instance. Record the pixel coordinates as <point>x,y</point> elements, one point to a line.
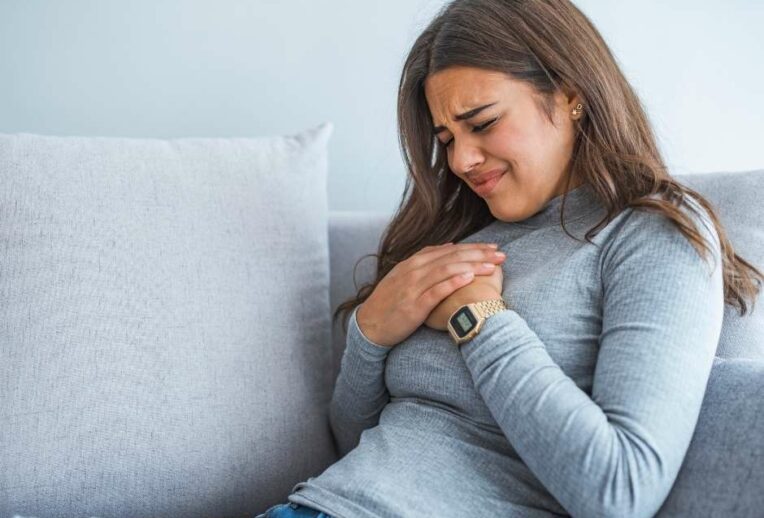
<point>482,287</point>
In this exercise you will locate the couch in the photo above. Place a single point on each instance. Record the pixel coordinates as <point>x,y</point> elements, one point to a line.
<point>166,346</point>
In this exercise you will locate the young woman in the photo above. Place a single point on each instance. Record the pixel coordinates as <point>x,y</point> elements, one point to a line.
<point>579,392</point>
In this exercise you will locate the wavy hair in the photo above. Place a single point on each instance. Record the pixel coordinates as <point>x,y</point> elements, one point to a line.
<point>551,45</point>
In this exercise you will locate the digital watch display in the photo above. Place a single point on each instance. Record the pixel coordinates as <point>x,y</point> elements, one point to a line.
<point>466,321</point>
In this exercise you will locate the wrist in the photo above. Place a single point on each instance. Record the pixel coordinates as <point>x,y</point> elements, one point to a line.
<point>366,328</point>
<point>472,295</point>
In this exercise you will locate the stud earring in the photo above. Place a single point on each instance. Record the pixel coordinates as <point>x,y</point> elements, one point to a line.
<point>577,110</point>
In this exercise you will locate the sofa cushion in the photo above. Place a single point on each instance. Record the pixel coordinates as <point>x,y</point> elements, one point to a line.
<point>737,198</point>
<point>721,474</point>
<point>164,326</point>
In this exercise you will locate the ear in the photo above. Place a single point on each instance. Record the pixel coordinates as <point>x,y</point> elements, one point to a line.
<point>571,97</point>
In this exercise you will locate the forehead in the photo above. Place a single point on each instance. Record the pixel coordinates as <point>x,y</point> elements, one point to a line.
<point>455,90</point>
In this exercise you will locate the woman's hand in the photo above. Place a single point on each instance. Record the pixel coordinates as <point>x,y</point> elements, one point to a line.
<point>407,295</point>
<point>484,287</point>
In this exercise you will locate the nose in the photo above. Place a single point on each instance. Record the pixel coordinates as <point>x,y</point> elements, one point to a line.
<point>465,156</point>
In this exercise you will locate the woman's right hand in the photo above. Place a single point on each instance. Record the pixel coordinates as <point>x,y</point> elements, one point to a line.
<point>404,298</point>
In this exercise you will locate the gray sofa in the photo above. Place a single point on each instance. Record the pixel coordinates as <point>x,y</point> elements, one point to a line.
<point>165,341</point>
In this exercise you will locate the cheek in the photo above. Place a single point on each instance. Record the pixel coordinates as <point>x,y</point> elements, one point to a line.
<point>511,148</point>
<point>504,145</point>
<point>535,151</point>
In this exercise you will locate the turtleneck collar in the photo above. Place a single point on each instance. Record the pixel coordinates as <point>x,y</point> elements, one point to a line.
<point>579,202</point>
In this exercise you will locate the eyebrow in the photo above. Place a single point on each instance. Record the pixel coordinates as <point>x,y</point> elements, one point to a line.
<point>463,116</point>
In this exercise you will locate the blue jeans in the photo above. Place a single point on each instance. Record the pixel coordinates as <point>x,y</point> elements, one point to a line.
<point>292,510</point>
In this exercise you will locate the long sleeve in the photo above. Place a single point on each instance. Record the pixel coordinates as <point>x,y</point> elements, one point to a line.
<point>360,393</point>
<point>618,452</point>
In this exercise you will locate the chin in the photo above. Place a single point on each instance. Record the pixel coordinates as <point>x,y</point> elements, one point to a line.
<point>505,216</point>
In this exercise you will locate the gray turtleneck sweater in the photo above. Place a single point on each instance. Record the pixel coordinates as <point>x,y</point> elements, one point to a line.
<point>581,399</point>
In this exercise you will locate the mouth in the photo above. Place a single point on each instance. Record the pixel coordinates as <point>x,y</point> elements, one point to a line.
<point>486,183</point>
<point>487,177</point>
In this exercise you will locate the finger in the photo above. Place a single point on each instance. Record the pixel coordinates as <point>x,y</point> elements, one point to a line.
<point>451,245</point>
<point>435,294</point>
<point>467,255</point>
<point>427,254</point>
<point>480,261</point>
<point>435,274</point>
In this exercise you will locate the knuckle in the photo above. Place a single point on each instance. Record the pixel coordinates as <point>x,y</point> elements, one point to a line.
<point>437,293</point>
<point>415,261</point>
<point>408,294</point>
<point>412,276</point>
<point>449,269</point>
<point>456,280</point>
<point>466,254</point>
<point>427,298</point>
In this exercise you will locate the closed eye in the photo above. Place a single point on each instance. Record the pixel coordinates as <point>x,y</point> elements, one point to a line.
<point>476,129</point>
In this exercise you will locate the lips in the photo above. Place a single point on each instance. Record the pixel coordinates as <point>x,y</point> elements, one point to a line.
<point>484,189</point>
<point>490,175</point>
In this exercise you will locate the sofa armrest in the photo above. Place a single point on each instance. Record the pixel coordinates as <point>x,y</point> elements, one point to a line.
<point>723,472</point>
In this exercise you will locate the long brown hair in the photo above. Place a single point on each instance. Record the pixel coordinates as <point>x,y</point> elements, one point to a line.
<point>551,45</point>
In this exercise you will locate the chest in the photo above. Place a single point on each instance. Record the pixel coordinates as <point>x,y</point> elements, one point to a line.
<point>560,297</point>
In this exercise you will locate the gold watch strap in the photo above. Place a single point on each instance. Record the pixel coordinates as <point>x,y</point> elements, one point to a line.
<point>490,307</point>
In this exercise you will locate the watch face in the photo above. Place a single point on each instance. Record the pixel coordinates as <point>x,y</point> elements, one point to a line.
<point>463,321</point>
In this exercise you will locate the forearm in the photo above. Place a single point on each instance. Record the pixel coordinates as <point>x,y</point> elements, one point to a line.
<point>360,393</point>
<point>609,460</point>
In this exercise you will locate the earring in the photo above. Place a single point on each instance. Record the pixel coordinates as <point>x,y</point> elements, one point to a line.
<point>577,110</point>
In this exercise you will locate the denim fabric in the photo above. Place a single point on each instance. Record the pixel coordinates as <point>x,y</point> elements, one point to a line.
<point>292,510</point>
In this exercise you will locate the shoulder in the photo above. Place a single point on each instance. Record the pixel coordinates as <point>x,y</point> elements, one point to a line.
<point>653,238</point>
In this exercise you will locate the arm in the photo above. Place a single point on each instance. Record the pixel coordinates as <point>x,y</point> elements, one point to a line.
<point>618,452</point>
<point>360,393</point>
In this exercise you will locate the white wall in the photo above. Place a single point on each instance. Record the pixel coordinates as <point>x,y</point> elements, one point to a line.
<point>178,68</point>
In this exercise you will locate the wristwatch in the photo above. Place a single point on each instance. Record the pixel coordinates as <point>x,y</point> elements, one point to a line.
<point>465,322</point>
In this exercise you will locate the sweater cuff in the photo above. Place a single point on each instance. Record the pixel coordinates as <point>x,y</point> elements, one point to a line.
<point>507,319</point>
<point>360,341</point>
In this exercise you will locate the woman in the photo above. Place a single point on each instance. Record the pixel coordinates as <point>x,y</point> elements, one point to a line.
<point>581,396</point>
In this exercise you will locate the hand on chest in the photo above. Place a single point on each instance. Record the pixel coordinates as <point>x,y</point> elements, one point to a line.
<point>559,306</point>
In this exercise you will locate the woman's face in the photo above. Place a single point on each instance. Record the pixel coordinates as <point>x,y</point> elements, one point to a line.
<point>532,153</point>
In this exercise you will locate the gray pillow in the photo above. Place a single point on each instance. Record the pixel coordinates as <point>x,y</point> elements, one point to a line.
<point>722,473</point>
<point>156,295</point>
<point>737,198</point>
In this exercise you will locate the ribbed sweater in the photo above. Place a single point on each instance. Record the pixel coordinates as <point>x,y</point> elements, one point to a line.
<point>581,399</point>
